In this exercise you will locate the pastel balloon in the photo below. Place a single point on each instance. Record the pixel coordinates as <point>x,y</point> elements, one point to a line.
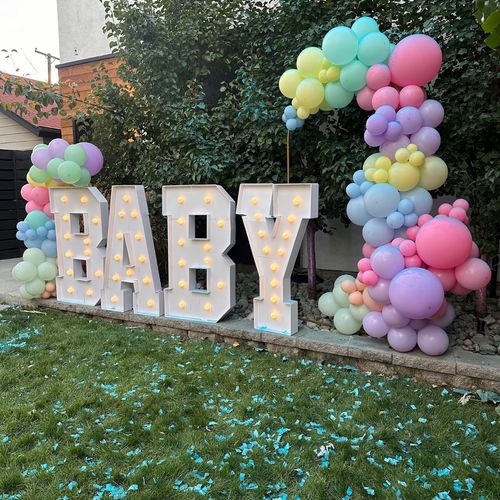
<point>372,139</point>
<point>35,287</point>
<point>353,76</point>
<point>432,113</point>
<point>388,111</point>
<point>34,255</point>
<point>327,304</point>
<point>357,212</point>
<point>389,148</point>
<point>35,219</point>
<point>394,131</point>
<point>374,325</point>
<point>402,339</point>
<point>57,148</point>
<point>410,119</point>
<point>47,271</point>
<point>474,250</point>
<point>364,25</point>
<point>420,198</point>
<point>386,96</point>
<point>473,274</point>
<point>411,95</point>
<point>378,76</point>
<point>432,340</point>
<point>356,298</point>
<point>364,98</point>
<point>376,232</point>
<point>447,318</point>
<point>31,205</point>
<point>416,293</point>
<point>415,60</point>
<point>289,81</point>
<point>342,278</point>
<point>345,323</point>
<point>403,176</point>
<point>52,167</point>
<point>370,303</point>
<point>310,62</point>
<point>95,159</point>
<point>26,191</point>
<point>340,45</point>
<point>348,286</point>
<point>337,96</point>
<point>340,296</point>
<point>24,271</point>
<point>310,92</point>
<point>38,175</point>
<point>367,250</point>
<point>40,157</point>
<point>393,317</point>
<point>373,48</point>
<point>418,324</point>
<point>460,290</point>
<point>446,276</point>
<point>40,195</point>
<point>376,124</point>
<point>358,312</point>
<point>381,200</point>
<point>387,261</point>
<point>380,292</point>
<point>427,139</point>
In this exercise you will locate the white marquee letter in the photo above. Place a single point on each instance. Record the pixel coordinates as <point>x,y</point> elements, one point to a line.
<point>81,217</point>
<point>200,233</point>
<point>275,245</point>
<point>131,278</point>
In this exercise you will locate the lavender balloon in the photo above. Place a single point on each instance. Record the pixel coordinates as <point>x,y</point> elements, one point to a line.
<point>374,325</point>
<point>418,324</point>
<point>387,261</point>
<point>432,113</point>
<point>380,292</point>
<point>376,124</point>
<point>447,318</point>
<point>402,339</point>
<point>373,140</point>
<point>57,147</point>
<point>427,139</point>
<point>389,148</point>
<point>40,157</point>
<point>394,131</point>
<point>410,119</point>
<point>393,317</point>
<point>432,340</point>
<point>388,111</point>
<point>416,293</point>
<point>95,160</point>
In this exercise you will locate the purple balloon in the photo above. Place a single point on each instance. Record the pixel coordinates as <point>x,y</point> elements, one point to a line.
<point>432,113</point>
<point>393,317</point>
<point>387,261</point>
<point>380,292</point>
<point>388,111</point>
<point>95,160</point>
<point>389,148</point>
<point>418,324</point>
<point>374,325</point>
<point>416,293</point>
<point>427,139</point>
<point>410,119</point>
<point>402,339</point>
<point>447,318</point>
<point>57,147</point>
<point>376,124</point>
<point>41,157</point>
<point>394,131</point>
<point>432,340</point>
<point>373,140</point>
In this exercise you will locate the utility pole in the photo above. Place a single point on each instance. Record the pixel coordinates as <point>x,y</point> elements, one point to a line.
<point>50,59</point>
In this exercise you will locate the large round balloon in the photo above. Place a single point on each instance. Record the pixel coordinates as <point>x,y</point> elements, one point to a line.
<point>337,96</point>
<point>374,325</point>
<point>310,62</point>
<point>416,293</point>
<point>402,339</point>
<point>473,274</point>
<point>377,232</point>
<point>381,200</point>
<point>310,93</point>
<point>289,82</point>
<point>373,48</point>
<point>340,45</point>
<point>353,76</point>
<point>387,261</point>
<point>356,211</point>
<point>432,340</point>
<point>95,159</point>
<point>345,323</point>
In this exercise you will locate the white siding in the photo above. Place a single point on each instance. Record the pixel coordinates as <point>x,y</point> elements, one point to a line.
<point>15,136</point>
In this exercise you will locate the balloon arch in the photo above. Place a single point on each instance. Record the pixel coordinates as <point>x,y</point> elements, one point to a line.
<point>410,258</point>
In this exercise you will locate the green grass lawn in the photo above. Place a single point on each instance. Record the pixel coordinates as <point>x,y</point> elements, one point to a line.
<point>89,408</point>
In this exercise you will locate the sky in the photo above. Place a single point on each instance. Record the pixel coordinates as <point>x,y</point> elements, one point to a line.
<point>26,25</point>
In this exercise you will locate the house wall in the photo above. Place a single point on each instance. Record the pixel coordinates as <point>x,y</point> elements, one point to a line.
<point>14,136</point>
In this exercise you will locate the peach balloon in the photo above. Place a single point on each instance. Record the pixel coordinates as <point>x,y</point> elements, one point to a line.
<point>356,299</point>
<point>348,286</point>
<point>359,285</point>
<point>370,303</point>
<point>50,286</point>
<point>45,295</point>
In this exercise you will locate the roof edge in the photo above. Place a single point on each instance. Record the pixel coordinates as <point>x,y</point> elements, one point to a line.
<point>38,131</point>
<point>85,61</point>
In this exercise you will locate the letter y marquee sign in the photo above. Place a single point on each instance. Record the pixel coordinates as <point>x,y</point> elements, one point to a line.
<point>114,262</point>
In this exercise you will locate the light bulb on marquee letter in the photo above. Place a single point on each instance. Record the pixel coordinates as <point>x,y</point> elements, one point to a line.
<point>81,218</point>
<point>200,233</point>
<point>131,279</point>
<point>275,218</point>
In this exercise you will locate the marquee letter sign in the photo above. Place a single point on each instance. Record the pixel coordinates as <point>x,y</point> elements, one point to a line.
<point>200,233</point>
<point>131,278</point>
<point>275,218</point>
<point>81,217</point>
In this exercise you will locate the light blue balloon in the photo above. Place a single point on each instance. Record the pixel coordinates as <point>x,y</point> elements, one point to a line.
<point>284,118</point>
<point>364,25</point>
<point>365,186</point>
<point>22,226</point>
<point>49,248</point>
<point>31,234</point>
<point>406,206</point>
<point>356,211</point>
<point>420,198</point>
<point>353,76</point>
<point>381,200</point>
<point>395,220</point>
<point>291,124</point>
<point>50,224</point>
<point>51,235</point>
<point>340,45</point>
<point>20,235</point>
<point>374,48</point>
<point>290,112</point>
<point>359,177</point>
<point>300,122</point>
<point>411,220</point>
<point>337,96</point>
<point>377,232</point>
<point>41,231</point>
<point>353,190</point>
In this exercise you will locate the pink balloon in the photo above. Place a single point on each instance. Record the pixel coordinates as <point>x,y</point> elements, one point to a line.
<point>474,252</point>
<point>415,60</point>
<point>446,277</point>
<point>432,340</point>
<point>408,248</point>
<point>458,213</point>
<point>47,212</point>
<point>364,265</point>
<point>411,95</point>
<point>412,232</point>
<point>40,195</point>
<point>444,209</point>
<point>424,218</point>
<point>461,203</point>
<point>370,278</point>
<point>378,76</point>
<point>460,290</point>
<point>444,242</point>
<point>402,339</point>
<point>374,325</point>
<point>367,250</point>
<point>364,98</point>
<point>30,206</point>
<point>397,241</point>
<point>389,148</point>
<point>26,192</point>
<point>441,311</point>
<point>473,274</point>
<point>386,96</point>
<point>413,261</point>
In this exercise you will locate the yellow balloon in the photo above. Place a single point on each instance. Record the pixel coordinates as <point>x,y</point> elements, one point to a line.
<point>383,162</point>
<point>403,176</point>
<point>322,76</point>
<point>412,148</point>
<point>433,173</point>
<point>295,103</point>
<point>370,161</point>
<point>303,113</point>
<point>310,92</point>
<point>326,63</point>
<point>369,174</point>
<point>310,62</point>
<point>380,175</point>
<point>417,158</point>
<point>289,82</point>
<point>324,106</point>
<point>402,155</point>
<point>333,73</point>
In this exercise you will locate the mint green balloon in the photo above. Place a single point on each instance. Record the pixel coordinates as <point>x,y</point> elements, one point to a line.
<point>374,48</point>
<point>345,323</point>
<point>327,304</point>
<point>52,167</point>
<point>47,271</point>
<point>364,25</point>
<point>342,278</point>
<point>84,178</point>
<point>24,294</point>
<point>358,312</point>
<point>35,287</point>
<point>24,271</point>
<point>340,45</point>
<point>75,153</point>
<point>34,255</point>
<point>35,219</point>
<point>340,296</point>
<point>353,76</point>
<point>69,172</point>
<point>38,174</point>
<point>52,260</point>
<point>40,146</point>
<point>337,96</point>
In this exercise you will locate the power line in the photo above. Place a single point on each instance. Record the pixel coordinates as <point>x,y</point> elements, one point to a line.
<point>50,59</point>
